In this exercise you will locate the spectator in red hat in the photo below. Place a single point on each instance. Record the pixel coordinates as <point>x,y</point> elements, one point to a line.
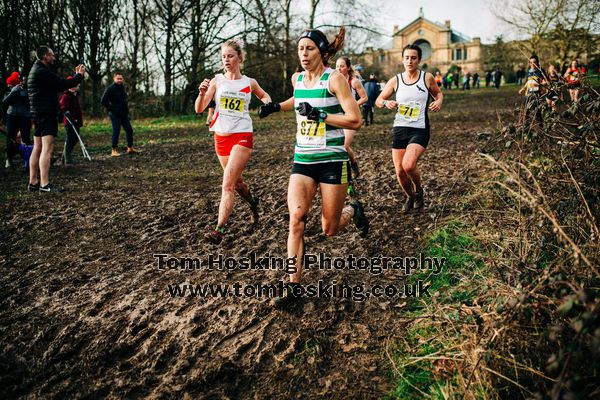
<point>71,110</point>
<point>18,117</point>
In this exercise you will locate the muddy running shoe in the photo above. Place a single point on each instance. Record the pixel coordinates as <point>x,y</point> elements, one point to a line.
<point>254,208</point>
<point>33,187</point>
<point>131,150</point>
<point>419,202</point>
<point>355,170</point>
<point>214,236</point>
<point>351,191</point>
<point>360,219</point>
<point>115,152</point>
<point>50,188</point>
<point>408,204</point>
<point>289,299</point>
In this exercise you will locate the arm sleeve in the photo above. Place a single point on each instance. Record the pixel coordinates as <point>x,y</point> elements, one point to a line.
<point>60,84</point>
<point>105,100</point>
<point>65,101</point>
<point>9,97</point>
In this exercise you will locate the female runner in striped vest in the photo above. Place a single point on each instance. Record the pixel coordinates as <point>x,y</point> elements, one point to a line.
<point>320,158</point>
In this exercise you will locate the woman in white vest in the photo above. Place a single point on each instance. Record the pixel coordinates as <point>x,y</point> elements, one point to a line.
<point>413,88</point>
<point>320,158</point>
<point>344,67</point>
<point>232,126</point>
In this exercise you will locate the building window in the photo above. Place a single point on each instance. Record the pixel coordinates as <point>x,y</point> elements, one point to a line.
<point>382,59</point>
<point>452,54</point>
<point>466,53</point>
<point>459,54</point>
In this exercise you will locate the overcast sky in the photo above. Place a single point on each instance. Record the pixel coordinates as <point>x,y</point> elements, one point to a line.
<point>470,17</point>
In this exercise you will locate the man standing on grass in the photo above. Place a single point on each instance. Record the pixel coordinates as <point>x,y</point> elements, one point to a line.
<point>43,87</point>
<point>115,100</point>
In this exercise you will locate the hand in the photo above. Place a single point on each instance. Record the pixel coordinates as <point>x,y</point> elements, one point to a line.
<point>391,104</point>
<point>436,106</point>
<point>266,109</point>
<point>309,111</point>
<point>80,69</point>
<point>204,86</point>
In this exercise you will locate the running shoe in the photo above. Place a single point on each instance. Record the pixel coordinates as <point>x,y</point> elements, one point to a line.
<point>50,188</point>
<point>214,236</point>
<point>408,204</point>
<point>33,187</point>
<point>115,152</point>
<point>355,170</point>
<point>351,191</point>
<point>419,202</point>
<point>289,298</point>
<point>360,219</point>
<point>131,150</point>
<point>254,208</point>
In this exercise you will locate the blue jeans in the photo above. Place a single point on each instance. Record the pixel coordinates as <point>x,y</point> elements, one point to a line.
<point>117,122</point>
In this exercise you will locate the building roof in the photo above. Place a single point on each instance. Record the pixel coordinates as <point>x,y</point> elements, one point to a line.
<point>455,36</point>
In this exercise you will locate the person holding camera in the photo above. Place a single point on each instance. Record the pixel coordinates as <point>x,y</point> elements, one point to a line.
<point>43,86</point>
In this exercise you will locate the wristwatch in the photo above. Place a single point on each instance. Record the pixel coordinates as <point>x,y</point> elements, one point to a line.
<point>383,102</point>
<point>322,116</point>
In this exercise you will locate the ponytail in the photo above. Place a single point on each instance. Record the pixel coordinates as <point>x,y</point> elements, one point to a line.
<point>336,45</point>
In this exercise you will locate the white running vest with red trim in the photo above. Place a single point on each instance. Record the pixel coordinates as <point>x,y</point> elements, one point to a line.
<point>232,98</point>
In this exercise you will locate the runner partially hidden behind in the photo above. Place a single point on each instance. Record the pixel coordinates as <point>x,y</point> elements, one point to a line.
<point>232,125</point>
<point>411,125</point>
<point>344,67</point>
<point>320,158</point>
<point>535,82</point>
<point>573,77</point>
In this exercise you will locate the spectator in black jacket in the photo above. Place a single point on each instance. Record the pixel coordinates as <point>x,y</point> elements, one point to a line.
<point>115,100</point>
<point>43,87</point>
<point>18,117</point>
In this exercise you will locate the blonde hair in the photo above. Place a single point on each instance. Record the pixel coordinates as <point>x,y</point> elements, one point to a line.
<point>237,45</point>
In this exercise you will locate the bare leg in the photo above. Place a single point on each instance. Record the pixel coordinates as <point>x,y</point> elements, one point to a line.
<point>233,167</point>
<point>34,161</point>
<point>301,192</point>
<point>401,175</point>
<point>46,158</point>
<point>334,216</point>
<point>409,165</point>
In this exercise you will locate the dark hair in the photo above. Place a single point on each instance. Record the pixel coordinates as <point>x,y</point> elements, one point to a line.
<point>41,52</point>
<point>116,73</point>
<point>413,47</point>
<point>537,60</point>
<point>327,49</point>
<point>348,64</point>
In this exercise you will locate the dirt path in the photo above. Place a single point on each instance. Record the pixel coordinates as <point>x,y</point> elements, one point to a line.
<point>84,312</point>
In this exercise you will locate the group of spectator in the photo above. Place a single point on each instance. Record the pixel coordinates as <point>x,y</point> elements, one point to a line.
<point>37,101</point>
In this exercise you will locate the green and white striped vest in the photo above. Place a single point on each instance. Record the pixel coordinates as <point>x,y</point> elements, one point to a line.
<point>320,97</point>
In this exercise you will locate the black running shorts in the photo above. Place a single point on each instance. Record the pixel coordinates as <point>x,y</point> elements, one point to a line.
<point>46,125</point>
<point>403,136</point>
<point>335,172</point>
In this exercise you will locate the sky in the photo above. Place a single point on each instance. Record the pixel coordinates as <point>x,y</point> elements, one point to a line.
<point>470,17</point>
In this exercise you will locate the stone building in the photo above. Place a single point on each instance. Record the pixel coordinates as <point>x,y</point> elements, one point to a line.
<point>442,47</point>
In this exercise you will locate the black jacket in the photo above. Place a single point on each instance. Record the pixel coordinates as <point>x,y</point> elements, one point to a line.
<point>43,87</point>
<point>115,100</point>
<point>17,101</point>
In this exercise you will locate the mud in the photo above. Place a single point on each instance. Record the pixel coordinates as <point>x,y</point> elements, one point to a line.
<point>85,313</point>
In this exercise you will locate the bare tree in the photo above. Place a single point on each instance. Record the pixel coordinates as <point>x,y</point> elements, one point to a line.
<point>568,23</point>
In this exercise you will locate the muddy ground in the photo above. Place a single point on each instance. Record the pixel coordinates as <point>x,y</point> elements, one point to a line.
<point>85,313</point>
